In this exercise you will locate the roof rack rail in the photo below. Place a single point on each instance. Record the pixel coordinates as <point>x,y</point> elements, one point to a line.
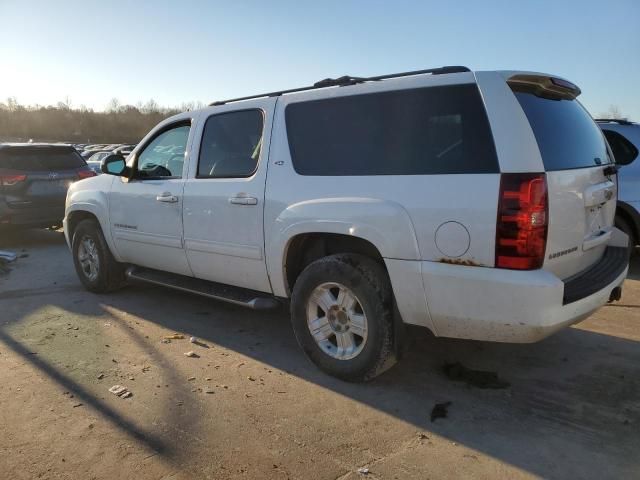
<point>348,80</point>
<point>621,121</point>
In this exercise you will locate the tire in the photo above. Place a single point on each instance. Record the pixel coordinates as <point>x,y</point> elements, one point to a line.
<point>88,243</point>
<point>364,314</point>
<point>626,227</point>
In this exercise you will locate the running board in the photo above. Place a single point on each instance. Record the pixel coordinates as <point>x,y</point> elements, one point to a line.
<point>218,291</point>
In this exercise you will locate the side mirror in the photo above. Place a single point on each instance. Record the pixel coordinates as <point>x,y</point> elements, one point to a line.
<point>623,150</point>
<point>113,165</point>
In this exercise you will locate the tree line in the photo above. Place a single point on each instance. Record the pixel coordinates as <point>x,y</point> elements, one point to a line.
<point>116,124</point>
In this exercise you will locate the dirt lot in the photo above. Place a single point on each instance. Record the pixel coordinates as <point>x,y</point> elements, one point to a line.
<point>572,410</point>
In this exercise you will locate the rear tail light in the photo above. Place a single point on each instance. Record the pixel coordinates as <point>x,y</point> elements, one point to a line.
<point>86,173</point>
<point>9,180</point>
<point>521,230</point>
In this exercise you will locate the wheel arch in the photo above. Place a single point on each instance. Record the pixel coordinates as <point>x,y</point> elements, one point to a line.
<point>379,228</point>
<point>80,211</point>
<point>631,216</point>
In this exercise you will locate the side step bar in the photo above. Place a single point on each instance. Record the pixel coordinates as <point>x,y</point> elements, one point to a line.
<point>217,291</point>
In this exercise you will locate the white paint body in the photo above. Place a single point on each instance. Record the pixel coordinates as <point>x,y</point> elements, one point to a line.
<point>414,221</point>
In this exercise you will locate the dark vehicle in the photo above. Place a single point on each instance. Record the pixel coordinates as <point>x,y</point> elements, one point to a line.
<point>33,183</point>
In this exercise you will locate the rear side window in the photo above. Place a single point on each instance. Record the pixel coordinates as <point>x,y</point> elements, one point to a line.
<point>40,158</point>
<point>566,134</point>
<point>437,130</point>
<point>624,152</point>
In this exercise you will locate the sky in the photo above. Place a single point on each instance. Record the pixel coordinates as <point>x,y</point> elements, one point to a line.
<point>200,51</point>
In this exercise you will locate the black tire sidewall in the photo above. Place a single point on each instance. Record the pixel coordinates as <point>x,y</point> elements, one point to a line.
<point>374,300</point>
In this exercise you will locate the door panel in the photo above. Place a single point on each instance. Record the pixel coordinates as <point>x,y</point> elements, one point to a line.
<point>146,211</point>
<point>224,195</point>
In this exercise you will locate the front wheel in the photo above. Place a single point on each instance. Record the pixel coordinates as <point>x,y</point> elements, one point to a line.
<point>98,271</point>
<point>341,310</point>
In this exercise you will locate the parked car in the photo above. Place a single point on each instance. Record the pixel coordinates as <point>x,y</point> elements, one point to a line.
<point>477,204</point>
<point>624,138</point>
<point>95,165</point>
<point>33,183</point>
<point>124,150</point>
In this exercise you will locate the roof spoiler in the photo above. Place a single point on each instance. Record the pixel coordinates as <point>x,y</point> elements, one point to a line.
<point>544,86</point>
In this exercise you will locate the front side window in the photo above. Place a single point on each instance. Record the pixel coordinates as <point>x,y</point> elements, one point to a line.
<point>164,156</point>
<point>231,144</point>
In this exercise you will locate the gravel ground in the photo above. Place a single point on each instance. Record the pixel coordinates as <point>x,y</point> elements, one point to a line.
<point>251,406</point>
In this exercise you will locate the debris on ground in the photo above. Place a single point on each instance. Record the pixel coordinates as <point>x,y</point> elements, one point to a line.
<point>422,436</point>
<point>77,405</point>
<point>363,471</point>
<point>195,341</point>
<point>3,266</point>
<point>474,378</point>
<point>7,256</point>
<point>191,354</point>
<point>120,391</point>
<point>101,376</point>
<point>174,336</point>
<point>190,379</point>
<point>440,410</point>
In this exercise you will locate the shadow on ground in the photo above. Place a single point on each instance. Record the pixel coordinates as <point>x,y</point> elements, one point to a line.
<point>575,393</point>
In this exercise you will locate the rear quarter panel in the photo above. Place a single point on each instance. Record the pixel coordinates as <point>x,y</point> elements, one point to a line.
<point>398,214</point>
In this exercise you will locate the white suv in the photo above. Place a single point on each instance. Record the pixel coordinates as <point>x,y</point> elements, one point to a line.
<point>477,204</point>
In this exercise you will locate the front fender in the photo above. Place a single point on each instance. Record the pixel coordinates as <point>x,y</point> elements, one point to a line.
<point>94,201</point>
<point>384,224</point>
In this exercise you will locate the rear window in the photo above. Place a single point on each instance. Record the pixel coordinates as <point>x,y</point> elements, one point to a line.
<point>437,130</point>
<point>566,134</point>
<point>39,158</point>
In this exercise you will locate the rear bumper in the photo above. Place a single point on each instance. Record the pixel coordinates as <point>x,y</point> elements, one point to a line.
<point>513,306</point>
<point>30,217</point>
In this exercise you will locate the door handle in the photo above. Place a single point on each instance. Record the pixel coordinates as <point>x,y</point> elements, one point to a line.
<point>167,198</point>
<point>243,200</point>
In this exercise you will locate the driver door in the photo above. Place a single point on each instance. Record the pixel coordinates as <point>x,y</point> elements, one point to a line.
<point>145,210</point>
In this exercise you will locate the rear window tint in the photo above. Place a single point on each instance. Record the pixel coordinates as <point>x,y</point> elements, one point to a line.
<point>38,158</point>
<point>437,130</point>
<point>566,134</point>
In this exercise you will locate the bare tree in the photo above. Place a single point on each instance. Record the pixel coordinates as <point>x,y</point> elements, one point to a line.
<point>118,124</point>
<point>613,113</point>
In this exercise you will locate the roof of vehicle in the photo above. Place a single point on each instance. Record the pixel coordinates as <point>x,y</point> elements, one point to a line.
<point>36,145</point>
<point>551,83</point>
<point>346,80</point>
<point>619,121</point>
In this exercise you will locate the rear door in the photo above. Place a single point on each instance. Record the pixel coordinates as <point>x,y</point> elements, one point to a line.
<point>224,195</point>
<point>582,190</point>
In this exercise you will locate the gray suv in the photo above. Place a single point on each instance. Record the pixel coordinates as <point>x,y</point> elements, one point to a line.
<point>624,138</point>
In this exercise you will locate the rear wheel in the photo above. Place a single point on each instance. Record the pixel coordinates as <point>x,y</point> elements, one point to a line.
<point>627,228</point>
<point>98,271</point>
<point>341,310</point>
